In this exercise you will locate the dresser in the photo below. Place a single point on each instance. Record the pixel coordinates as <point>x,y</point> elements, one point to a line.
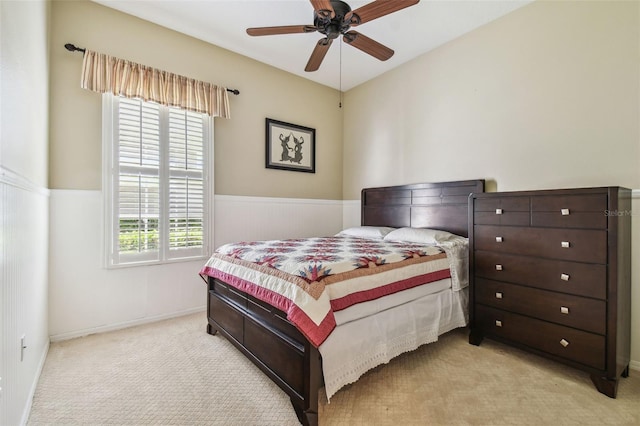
<point>550,273</point>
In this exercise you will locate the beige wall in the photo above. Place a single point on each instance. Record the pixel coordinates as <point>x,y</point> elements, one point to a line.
<point>75,158</point>
<point>545,97</point>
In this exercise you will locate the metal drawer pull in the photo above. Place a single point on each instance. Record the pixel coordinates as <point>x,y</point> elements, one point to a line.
<point>564,310</point>
<point>498,211</point>
<point>564,343</point>
<point>565,212</point>
<point>498,295</point>
<point>498,267</point>
<point>565,244</point>
<point>498,239</point>
<point>564,277</point>
<point>498,323</point>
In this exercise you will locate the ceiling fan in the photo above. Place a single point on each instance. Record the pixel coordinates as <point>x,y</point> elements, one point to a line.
<point>334,18</point>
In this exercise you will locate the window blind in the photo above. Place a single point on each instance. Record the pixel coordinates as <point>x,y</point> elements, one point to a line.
<point>158,190</point>
<point>186,167</point>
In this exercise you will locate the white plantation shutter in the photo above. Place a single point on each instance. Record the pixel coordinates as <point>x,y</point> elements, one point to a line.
<point>186,180</point>
<point>138,186</point>
<point>156,182</point>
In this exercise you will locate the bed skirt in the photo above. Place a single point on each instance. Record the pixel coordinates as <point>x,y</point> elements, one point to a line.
<point>356,347</point>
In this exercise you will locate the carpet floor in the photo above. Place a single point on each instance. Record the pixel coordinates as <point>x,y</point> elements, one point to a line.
<point>173,373</point>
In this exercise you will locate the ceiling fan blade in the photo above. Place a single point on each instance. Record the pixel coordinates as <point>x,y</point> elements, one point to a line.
<point>318,54</point>
<point>322,6</point>
<point>376,9</point>
<point>287,29</point>
<point>368,45</point>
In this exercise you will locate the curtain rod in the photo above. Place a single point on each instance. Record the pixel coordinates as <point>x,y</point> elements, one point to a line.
<point>73,48</point>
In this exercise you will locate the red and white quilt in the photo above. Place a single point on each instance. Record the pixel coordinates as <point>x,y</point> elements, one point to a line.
<point>312,278</point>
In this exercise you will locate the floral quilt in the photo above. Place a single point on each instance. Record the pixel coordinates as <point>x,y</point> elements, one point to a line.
<point>312,278</point>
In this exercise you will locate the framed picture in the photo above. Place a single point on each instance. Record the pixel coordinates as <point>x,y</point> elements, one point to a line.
<point>290,147</point>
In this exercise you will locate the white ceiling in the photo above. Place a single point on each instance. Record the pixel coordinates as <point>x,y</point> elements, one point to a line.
<point>409,32</point>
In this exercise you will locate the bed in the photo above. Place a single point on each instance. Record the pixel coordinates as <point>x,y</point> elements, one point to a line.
<point>295,352</point>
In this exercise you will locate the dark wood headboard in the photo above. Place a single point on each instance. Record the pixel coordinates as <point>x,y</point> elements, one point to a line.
<point>442,205</point>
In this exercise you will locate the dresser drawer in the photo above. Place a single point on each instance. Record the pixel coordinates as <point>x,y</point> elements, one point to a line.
<point>575,345</point>
<point>502,211</point>
<point>583,279</point>
<point>577,202</point>
<point>570,211</point>
<point>589,246</point>
<point>573,311</point>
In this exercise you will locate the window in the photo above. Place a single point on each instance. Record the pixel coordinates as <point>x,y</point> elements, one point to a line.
<point>157,182</point>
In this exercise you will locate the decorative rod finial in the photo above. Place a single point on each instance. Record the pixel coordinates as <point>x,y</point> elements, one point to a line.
<point>73,48</point>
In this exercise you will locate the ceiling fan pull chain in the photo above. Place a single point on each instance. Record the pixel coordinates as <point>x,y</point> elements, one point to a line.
<point>340,103</point>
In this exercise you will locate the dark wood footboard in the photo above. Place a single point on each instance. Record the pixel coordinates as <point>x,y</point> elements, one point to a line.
<point>271,342</point>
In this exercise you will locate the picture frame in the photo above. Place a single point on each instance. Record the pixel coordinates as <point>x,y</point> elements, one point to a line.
<point>290,147</point>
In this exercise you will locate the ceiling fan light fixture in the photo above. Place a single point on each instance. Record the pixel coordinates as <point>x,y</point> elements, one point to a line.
<point>337,24</point>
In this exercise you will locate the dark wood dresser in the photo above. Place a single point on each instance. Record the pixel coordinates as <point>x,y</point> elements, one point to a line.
<point>550,272</point>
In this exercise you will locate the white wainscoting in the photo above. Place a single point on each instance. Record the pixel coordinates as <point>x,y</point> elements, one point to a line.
<point>86,298</point>
<point>259,218</point>
<point>23,293</point>
<point>351,215</point>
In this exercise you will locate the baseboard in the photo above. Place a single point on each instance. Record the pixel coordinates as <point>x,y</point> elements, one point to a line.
<point>634,365</point>
<point>34,385</point>
<point>125,324</point>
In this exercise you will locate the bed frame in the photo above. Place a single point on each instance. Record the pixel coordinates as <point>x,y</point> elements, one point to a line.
<point>264,335</point>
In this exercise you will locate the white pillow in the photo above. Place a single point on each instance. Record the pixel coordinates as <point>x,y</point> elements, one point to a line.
<point>371,232</point>
<point>419,235</point>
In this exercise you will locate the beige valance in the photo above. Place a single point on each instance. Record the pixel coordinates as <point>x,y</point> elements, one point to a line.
<point>107,74</point>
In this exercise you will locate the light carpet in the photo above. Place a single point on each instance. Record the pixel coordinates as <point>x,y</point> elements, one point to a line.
<point>173,373</point>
